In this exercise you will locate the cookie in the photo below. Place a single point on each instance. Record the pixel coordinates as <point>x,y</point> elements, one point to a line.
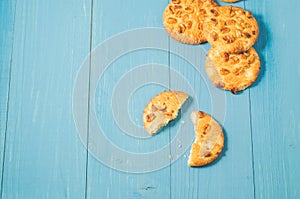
<point>233,72</point>
<point>231,29</point>
<point>183,20</point>
<point>230,1</point>
<point>209,139</point>
<point>161,109</point>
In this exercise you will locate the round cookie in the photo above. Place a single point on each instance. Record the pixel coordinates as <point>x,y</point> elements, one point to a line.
<point>233,72</point>
<point>161,109</point>
<point>232,29</point>
<point>209,140</point>
<point>183,20</point>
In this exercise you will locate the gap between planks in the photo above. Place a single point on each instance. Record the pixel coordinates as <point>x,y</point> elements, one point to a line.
<point>7,103</point>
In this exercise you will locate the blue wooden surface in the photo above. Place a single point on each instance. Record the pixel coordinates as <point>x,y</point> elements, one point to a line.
<point>7,11</point>
<point>76,75</point>
<point>43,156</point>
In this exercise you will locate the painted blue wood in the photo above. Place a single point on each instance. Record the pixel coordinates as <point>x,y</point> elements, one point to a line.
<point>60,100</point>
<point>7,12</point>
<point>44,157</point>
<point>136,65</point>
<point>233,170</point>
<point>275,101</point>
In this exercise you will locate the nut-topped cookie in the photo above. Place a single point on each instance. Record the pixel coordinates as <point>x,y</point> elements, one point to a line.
<point>161,109</point>
<point>233,72</point>
<point>231,29</point>
<point>183,19</point>
<point>209,139</point>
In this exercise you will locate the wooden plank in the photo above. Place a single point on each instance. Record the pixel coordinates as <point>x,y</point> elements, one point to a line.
<point>133,60</point>
<point>7,13</point>
<point>233,114</point>
<point>233,171</point>
<point>44,157</point>
<point>275,101</point>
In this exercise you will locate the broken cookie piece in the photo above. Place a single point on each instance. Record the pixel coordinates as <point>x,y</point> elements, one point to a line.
<point>161,109</point>
<point>209,139</point>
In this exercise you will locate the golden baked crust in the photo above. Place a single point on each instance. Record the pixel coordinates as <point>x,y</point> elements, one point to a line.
<point>233,72</point>
<point>231,29</point>
<point>183,20</point>
<point>209,140</point>
<point>161,109</point>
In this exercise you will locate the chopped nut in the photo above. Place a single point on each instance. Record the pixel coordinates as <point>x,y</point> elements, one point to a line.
<point>176,1</point>
<point>234,60</point>
<point>150,117</point>
<point>225,30</point>
<point>230,11</point>
<point>200,26</point>
<point>189,24</point>
<point>224,71</point>
<point>240,20</point>
<point>239,27</point>
<point>171,9</point>
<point>214,12</point>
<point>178,13</point>
<point>246,53</point>
<point>163,108</point>
<point>201,114</point>
<point>182,28</point>
<point>207,154</point>
<point>248,65</point>
<point>247,34</point>
<point>178,7</point>
<point>232,14</point>
<point>206,128</point>
<point>238,33</point>
<point>199,3</point>
<point>247,25</point>
<point>226,57</point>
<point>244,56</point>
<point>153,108</point>
<point>185,17</point>
<point>215,21</point>
<point>230,21</point>
<point>214,36</point>
<point>168,114</point>
<point>202,12</point>
<point>240,12</point>
<point>222,22</point>
<point>229,39</point>
<point>219,85</point>
<point>248,14</point>
<point>251,59</point>
<point>189,9</point>
<point>234,90</point>
<point>239,71</point>
<point>172,20</point>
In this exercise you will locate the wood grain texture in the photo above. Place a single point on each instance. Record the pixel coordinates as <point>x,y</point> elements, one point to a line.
<point>45,44</point>
<point>7,13</point>
<point>44,157</point>
<point>235,163</point>
<point>275,101</point>
<point>110,19</point>
<point>231,176</point>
